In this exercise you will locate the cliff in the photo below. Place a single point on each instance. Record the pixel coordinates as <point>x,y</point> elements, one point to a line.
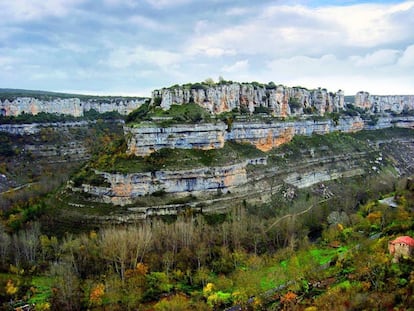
<point>125,188</point>
<point>387,103</point>
<point>279,100</point>
<point>14,106</point>
<point>144,140</point>
<point>308,162</point>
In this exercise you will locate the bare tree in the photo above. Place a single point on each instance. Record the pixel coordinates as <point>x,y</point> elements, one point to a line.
<point>5,243</point>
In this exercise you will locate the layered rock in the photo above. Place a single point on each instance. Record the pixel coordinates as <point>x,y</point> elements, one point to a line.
<point>68,106</point>
<point>124,188</point>
<point>34,128</point>
<point>143,140</point>
<point>386,103</point>
<point>281,101</point>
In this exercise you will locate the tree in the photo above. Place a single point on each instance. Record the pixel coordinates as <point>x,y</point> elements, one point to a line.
<point>209,81</point>
<point>5,243</point>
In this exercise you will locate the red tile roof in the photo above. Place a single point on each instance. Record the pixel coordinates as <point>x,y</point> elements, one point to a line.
<point>404,239</point>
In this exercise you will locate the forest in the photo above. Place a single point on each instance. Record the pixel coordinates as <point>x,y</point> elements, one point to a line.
<point>310,254</point>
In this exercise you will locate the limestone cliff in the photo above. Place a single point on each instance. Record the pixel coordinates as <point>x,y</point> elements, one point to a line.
<point>280,101</point>
<point>143,140</point>
<point>146,139</point>
<point>386,103</point>
<point>14,106</point>
<point>125,188</point>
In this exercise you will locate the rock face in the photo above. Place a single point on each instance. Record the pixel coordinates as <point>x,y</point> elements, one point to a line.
<point>388,103</point>
<point>265,136</point>
<point>127,187</point>
<point>68,106</point>
<point>280,101</point>
<point>34,128</point>
<point>144,140</point>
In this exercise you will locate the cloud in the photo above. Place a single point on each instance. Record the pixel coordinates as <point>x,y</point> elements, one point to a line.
<point>25,10</point>
<point>162,4</point>
<point>407,58</point>
<point>375,72</point>
<point>283,29</point>
<point>377,58</point>
<point>121,3</point>
<point>126,57</point>
<point>238,66</point>
<point>146,22</point>
<point>126,44</point>
<point>237,11</point>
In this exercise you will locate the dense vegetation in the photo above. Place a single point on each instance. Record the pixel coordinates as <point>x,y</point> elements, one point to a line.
<point>119,161</point>
<point>189,113</point>
<point>43,117</point>
<point>210,262</point>
<point>31,173</point>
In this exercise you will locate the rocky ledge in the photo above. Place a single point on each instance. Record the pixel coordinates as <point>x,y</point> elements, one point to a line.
<point>143,140</point>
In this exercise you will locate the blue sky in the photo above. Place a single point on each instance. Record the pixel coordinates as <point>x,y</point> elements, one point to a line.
<point>128,47</point>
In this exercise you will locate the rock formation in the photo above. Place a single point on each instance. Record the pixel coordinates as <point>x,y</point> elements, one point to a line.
<point>15,106</point>
<point>143,140</point>
<point>279,100</point>
<point>387,103</point>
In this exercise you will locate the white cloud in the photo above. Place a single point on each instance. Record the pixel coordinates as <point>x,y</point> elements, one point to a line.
<point>126,57</point>
<point>121,3</point>
<point>375,72</point>
<point>143,21</point>
<point>26,10</point>
<point>237,11</point>
<point>377,58</point>
<point>239,66</point>
<point>286,30</point>
<point>162,4</point>
<point>407,58</point>
<point>128,43</point>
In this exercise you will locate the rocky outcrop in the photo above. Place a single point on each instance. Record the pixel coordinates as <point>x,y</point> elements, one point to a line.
<point>68,106</point>
<point>125,188</point>
<point>34,128</point>
<point>280,101</point>
<point>143,140</point>
<point>396,104</point>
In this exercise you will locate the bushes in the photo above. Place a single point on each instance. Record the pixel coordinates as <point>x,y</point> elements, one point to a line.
<point>187,113</point>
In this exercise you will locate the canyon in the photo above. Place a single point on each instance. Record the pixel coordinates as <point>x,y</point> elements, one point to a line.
<point>240,177</point>
<point>264,117</point>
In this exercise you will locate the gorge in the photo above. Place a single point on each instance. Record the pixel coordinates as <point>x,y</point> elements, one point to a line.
<point>224,149</point>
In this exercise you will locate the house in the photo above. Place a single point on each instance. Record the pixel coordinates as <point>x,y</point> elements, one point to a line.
<point>402,246</point>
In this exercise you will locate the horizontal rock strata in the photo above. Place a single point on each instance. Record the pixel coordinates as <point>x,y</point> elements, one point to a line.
<point>124,188</point>
<point>385,103</point>
<point>143,140</point>
<point>68,106</point>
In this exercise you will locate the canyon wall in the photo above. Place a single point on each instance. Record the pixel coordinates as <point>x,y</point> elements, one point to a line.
<point>280,101</point>
<point>384,103</point>
<point>277,100</point>
<point>125,188</point>
<point>15,106</point>
<point>143,140</point>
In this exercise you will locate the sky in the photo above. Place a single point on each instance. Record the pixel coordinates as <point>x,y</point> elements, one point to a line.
<point>131,47</point>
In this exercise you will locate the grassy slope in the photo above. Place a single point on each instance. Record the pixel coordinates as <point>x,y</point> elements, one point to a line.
<point>349,268</point>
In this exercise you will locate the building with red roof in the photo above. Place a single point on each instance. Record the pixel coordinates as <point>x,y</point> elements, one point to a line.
<point>402,246</point>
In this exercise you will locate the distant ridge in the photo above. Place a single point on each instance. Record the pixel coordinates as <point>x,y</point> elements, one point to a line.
<point>41,94</point>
